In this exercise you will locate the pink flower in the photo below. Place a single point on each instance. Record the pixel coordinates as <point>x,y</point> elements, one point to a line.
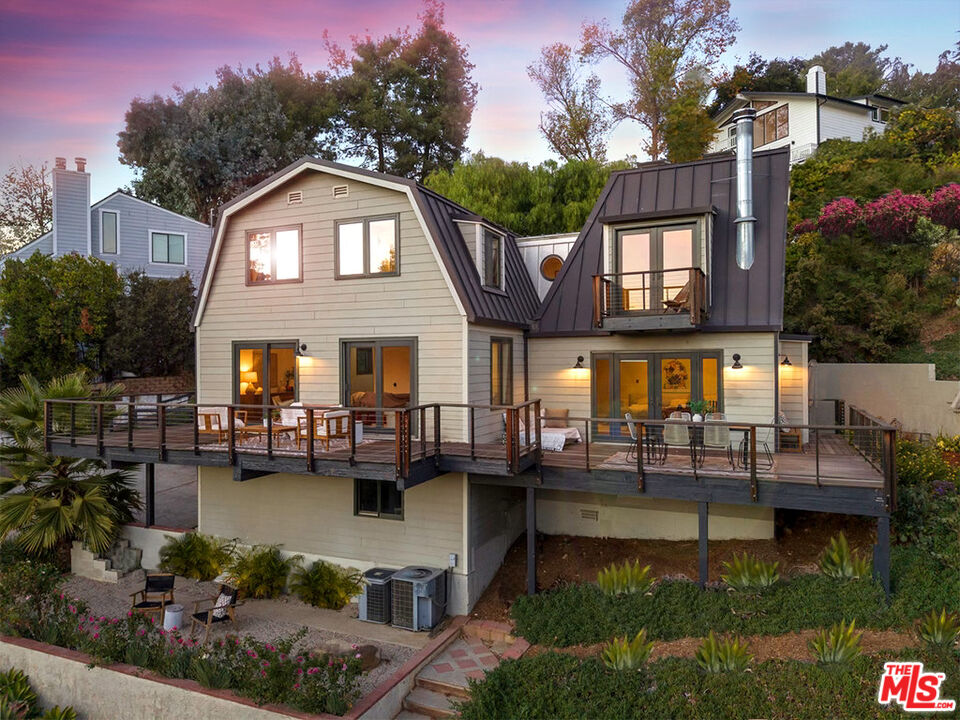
<point>171,651</point>
<point>945,206</point>
<point>73,609</point>
<point>283,656</point>
<point>162,631</point>
<point>61,596</point>
<point>313,671</point>
<point>96,636</point>
<point>893,217</point>
<point>299,671</point>
<point>357,655</point>
<point>296,686</point>
<point>141,632</point>
<point>330,663</point>
<point>263,673</point>
<point>265,664</point>
<point>251,653</point>
<point>299,659</point>
<point>839,217</point>
<point>344,667</point>
<point>102,618</point>
<point>129,613</point>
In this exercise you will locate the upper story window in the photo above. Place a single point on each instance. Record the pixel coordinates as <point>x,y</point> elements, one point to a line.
<point>368,247</point>
<point>881,115</point>
<point>501,371</point>
<point>273,256</point>
<point>108,232</point>
<point>168,248</point>
<point>550,267</point>
<point>771,125</point>
<point>492,246</point>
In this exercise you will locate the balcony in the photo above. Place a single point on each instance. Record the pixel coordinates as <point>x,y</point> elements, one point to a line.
<point>650,300</point>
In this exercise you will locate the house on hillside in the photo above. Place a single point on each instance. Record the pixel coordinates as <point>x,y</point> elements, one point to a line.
<point>131,233</point>
<point>801,121</point>
<point>380,386</point>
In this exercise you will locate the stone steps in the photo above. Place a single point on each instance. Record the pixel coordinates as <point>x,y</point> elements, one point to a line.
<point>86,564</point>
<point>429,703</point>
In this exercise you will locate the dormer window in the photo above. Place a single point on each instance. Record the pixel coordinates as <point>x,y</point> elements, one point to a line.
<point>273,256</point>
<point>492,259</point>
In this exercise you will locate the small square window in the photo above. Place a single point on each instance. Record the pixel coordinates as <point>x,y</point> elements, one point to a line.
<point>367,247</point>
<point>378,498</point>
<point>273,256</point>
<point>167,248</point>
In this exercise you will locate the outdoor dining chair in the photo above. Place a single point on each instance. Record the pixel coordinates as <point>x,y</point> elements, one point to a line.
<point>716,435</point>
<point>157,593</point>
<point>676,434</point>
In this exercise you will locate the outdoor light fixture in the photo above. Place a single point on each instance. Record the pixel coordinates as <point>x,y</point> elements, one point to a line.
<point>736,362</point>
<point>579,363</point>
<point>302,350</point>
<point>786,361</point>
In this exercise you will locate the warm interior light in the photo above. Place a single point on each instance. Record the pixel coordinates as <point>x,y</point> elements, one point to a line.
<point>736,362</point>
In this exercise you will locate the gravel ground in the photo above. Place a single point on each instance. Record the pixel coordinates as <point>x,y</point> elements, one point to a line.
<point>114,601</point>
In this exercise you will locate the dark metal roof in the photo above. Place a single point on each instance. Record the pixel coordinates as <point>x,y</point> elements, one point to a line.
<point>516,306</point>
<point>741,299</point>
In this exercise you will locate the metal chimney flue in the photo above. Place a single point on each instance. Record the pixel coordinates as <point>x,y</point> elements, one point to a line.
<point>745,220</point>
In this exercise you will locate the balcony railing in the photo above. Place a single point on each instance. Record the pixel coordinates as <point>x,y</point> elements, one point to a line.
<point>678,292</point>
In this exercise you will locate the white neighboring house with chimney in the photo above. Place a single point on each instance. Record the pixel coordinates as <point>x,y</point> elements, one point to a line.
<point>803,120</point>
<point>131,233</point>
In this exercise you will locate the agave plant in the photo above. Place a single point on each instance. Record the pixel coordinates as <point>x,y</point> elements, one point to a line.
<point>941,629</point>
<point>58,713</point>
<point>723,655</point>
<point>17,698</point>
<point>840,562</point>
<point>56,499</point>
<point>625,579</point>
<point>624,654</point>
<point>750,574</point>
<point>838,645</point>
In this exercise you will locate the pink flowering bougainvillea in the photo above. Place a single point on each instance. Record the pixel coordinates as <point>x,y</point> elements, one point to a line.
<point>839,217</point>
<point>893,217</point>
<point>805,226</point>
<point>945,206</point>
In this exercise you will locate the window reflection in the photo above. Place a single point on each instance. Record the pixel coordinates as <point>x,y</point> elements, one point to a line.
<point>350,248</point>
<point>288,254</point>
<point>367,247</point>
<point>273,255</point>
<point>260,257</point>
<point>383,246</point>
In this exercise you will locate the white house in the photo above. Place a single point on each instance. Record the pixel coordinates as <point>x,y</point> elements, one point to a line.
<point>803,120</point>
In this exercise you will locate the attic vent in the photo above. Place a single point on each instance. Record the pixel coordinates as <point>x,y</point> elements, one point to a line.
<point>341,191</point>
<point>589,514</point>
<point>295,197</point>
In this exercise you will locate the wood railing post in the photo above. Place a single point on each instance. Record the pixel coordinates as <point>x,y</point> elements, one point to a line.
<point>196,430</point>
<point>889,441</point>
<point>408,433</point>
<point>471,432</point>
<point>269,433</point>
<point>131,415</point>
<point>597,300</point>
<point>310,428</point>
<point>753,463</point>
<point>586,444</point>
<point>508,423</point>
<point>353,437</point>
<point>162,422</point>
<point>398,443</point>
<point>232,436</point>
<point>436,435</point>
<point>526,425</point>
<point>641,478</point>
<point>539,424</point>
<point>423,432</point>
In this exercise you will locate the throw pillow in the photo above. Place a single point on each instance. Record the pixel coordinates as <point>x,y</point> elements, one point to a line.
<point>555,418</point>
<point>221,605</point>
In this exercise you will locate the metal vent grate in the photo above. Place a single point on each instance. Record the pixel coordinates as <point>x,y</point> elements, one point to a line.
<point>341,191</point>
<point>294,197</point>
<point>403,604</point>
<point>589,514</point>
<point>378,603</point>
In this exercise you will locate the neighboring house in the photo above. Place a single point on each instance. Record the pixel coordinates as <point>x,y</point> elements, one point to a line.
<point>330,285</point>
<point>543,256</point>
<point>801,121</point>
<point>131,233</point>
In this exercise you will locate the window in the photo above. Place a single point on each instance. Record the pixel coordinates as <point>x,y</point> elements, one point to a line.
<point>550,267</point>
<point>762,104</point>
<point>501,371</point>
<point>264,373</point>
<point>492,259</point>
<point>367,248</point>
<point>771,125</point>
<point>167,248</point>
<point>881,115</point>
<point>377,498</point>
<point>273,256</point>
<point>653,264</point>
<point>108,232</point>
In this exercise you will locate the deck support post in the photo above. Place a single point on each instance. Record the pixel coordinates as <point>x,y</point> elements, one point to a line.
<point>531,540</point>
<point>881,553</point>
<point>149,495</point>
<point>702,539</point>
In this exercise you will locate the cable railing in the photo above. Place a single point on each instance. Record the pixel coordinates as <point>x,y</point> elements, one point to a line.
<point>650,292</point>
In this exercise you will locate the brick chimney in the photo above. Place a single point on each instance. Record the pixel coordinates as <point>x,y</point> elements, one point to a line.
<point>71,208</point>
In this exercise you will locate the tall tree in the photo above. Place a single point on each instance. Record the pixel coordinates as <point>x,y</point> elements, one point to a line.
<point>940,88</point>
<point>687,127</point>
<point>405,100</point>
<point>26,205</point>
<point>198,149</point>
<point>576,123</point>
<point>657,44</point>
<point>853,68</point>
<point>759,75</point>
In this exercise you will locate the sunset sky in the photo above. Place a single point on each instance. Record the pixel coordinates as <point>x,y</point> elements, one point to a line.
<point>68,70</point>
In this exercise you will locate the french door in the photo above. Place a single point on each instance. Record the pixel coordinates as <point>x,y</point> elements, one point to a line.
<point>653,264</point>
<point>379,374</point>
<point>264,373</point>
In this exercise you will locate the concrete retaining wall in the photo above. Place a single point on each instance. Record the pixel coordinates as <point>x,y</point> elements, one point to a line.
<point>906,392</point>
<point>62,677</point>
<point>149,540</point>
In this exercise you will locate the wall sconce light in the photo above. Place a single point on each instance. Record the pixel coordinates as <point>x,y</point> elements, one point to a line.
<point>786,361</point>
<point>301,351</point>
<point>736,362</point>
<point>579,363</point>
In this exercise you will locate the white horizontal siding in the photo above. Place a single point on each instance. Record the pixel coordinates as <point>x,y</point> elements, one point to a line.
<point>488,423</point>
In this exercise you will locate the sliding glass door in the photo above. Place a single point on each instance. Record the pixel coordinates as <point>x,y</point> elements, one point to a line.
<point>264,374</point>
<point>652,385</point>
<point>379,374</point>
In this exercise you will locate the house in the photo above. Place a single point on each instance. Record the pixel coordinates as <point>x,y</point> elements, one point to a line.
<point>131,233</point>
<point>801,121</point>
<point>373,362</point>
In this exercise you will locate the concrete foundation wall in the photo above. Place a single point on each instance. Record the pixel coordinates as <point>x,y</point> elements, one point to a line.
<point>61,677</point>
<point>496,519</point>
<point>906,392</point>
<point>561,512</point>
<point>149,540</point>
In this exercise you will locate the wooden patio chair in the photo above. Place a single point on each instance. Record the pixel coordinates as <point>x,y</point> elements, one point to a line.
<point>680,301</point>
<point>220,608</point>
<point>213,422</point>
<point>326,426</point>
<point>157,593</point>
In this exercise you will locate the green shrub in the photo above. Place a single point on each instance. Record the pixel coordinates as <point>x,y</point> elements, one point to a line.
<point>838,645</point>
<point>750,574</point>
<point>261,571</point>
<point>197,556</point>
<point>940,629</point>
<point>326,585</point>
<point>625,579</point>
<point>723,655</point>
<point>624,654</point>
<point>58,713</point>
<point>838,561</point>
<point>19,701</point>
